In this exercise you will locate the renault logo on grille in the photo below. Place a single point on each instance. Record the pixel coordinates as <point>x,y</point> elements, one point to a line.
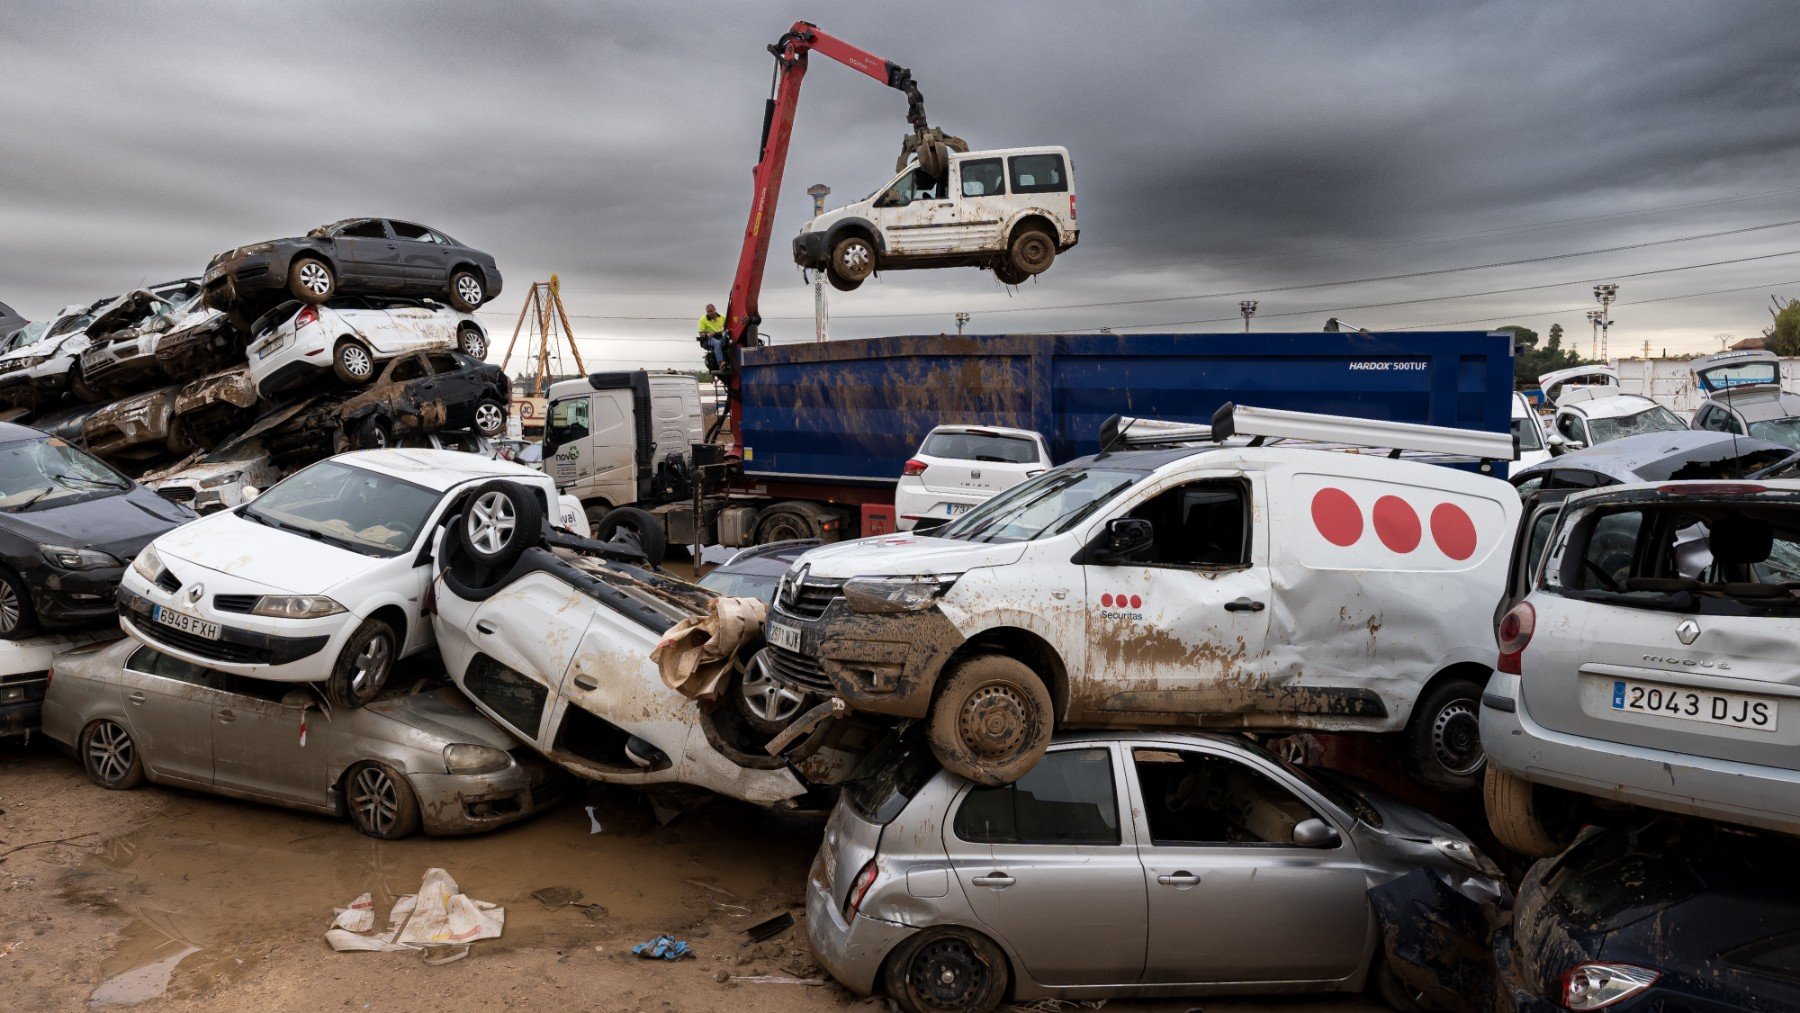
<point>195,592</point>
<point>789,593</point>
<point>1688,631</point>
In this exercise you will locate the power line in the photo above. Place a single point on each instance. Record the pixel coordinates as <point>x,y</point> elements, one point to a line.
<point>1585,306</point>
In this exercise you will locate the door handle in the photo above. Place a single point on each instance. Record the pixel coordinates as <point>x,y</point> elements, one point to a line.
<point>483,627</point>
<point>587,682</point>
<point>226,717</point>
<point>996,879</point>
<point>1181,878</point>
<point>1243,605</point>
<point>948,204</point>
<point>136,698</point>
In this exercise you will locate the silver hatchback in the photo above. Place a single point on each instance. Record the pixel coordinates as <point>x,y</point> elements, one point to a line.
<point>1141,864</point>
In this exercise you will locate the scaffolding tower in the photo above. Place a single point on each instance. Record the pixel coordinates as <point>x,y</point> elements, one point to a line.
<point>545,326</point>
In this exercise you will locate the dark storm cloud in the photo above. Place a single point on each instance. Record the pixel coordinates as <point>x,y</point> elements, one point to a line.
<point>1217,147</point>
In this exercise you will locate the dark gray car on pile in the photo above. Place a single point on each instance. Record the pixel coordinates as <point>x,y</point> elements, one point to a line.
<point>355,256</point>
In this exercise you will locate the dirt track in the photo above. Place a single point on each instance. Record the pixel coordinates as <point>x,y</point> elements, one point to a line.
<point>173,898</point>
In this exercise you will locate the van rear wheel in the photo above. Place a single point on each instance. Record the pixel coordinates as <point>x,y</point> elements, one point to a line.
<point>1443,739</point>
<point>991,721</point>
<point>1033,251</point>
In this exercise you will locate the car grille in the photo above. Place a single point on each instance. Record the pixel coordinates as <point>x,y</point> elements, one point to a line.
<point>218,650</point>
<point>168,582</point>
<point>177,493</point>
<point>814,598</point>
<point>235,602</point>
<point>798,670</point>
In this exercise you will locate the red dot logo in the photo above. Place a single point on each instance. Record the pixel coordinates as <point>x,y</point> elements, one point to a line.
<point>1453,531</point>
<point>1396,524</point>
<point>1136,602</point>
<point>1106,601</point>
<point>1337,517</point>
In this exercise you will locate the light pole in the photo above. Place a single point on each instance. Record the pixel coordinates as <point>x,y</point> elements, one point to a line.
<point>1606,294</point>
<point>1594,344</point>
<point>961,319</point>
<point>817,192</point>
<point>1248,309</point>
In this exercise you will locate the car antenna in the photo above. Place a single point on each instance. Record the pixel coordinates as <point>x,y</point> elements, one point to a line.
<point>1112,432</point>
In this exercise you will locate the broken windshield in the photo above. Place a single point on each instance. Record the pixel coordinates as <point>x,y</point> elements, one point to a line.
<point>357,509</point>
<point>37,473</point>
<point>1655,419</point>
<point>1047,505</point>
<point>1729,557</point>
<point>1784,431</point>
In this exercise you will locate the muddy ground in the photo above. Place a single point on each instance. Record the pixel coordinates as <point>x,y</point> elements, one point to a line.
<point>168,898</point>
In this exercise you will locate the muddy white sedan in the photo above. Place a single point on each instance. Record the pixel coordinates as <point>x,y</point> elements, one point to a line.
<point>406,763</point>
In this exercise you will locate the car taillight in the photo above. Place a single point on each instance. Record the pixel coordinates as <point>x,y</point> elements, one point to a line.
<point>913,467</point>
<point>307,315</point>
<point>859,889</point>
<point>1597,986</point>
<point>1514,635</point>
<point>1709,489</point>
<point>1071,207</point>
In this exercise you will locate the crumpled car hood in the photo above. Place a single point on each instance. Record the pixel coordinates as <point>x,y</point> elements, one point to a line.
<point>905,555</point>
<point>267,556</point>
<point>445,714</point>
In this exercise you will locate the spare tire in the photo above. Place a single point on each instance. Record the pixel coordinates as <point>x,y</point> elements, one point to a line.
<point>642,525</point>
<point>500,521</point>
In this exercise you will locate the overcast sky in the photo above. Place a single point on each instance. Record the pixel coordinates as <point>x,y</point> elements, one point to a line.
<point>1218,148</point>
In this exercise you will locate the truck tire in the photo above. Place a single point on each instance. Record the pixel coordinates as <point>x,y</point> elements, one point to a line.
<point>500,520</point>
<point>991,720</point>
<point>1516,817</point>
<point>785,522</point>
<point>640,526</point>
<point>1032,250</point>
<point>596,510</point>
<point>1443,739</point>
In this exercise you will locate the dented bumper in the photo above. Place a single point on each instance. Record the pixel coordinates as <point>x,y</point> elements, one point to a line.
<point>452,804</point>
<point>882,664</point>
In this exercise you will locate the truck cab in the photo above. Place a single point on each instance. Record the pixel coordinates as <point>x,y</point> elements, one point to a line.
<point>1010,210</point>
<point>608,436</point>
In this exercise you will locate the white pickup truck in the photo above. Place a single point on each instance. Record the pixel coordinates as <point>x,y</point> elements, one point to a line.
<point>1010,210</point>
<point>1203,582</point>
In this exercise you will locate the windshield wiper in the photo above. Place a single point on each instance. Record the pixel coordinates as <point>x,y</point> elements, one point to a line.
<point>103,483</point>
<point>41,493</point>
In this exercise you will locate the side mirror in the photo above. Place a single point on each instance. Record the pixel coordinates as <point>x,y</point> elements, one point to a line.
<point>297,699</point>
<point>1121,539</point>
<point>251,492</point>
<point>1315,833</point>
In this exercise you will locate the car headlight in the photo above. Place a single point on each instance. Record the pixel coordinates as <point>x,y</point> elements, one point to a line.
<point>219,480</point>
<point>1466,855</point>
<point>147,564</point>
<point>469,758</point>
<point>295,606</point>
<point>70,558</point>
<point>30,361</point>
<point>896,594</point>
<point>256,248</point>
<point>1597,986</point>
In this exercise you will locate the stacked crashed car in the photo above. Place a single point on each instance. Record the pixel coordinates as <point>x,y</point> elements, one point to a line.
<point>1193,864</point>
<point>320,579</point>
<point>69,525</point>
<point>371,256</point>
<point>122,359</point>
<point>417,394</point>
<point>352,337</point>
<point>420,760</point>
<point>35,375</point>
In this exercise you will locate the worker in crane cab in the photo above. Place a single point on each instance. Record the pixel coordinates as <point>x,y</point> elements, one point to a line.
<point>712,337</point>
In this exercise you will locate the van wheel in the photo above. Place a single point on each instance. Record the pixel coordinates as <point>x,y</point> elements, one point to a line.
<point>841,284</point>
<point>946,969</point>
<point>311,280</point>
<point>991,721</point>
<point>640,526</point>
<point>502,519</point>
<point>1033,251</point>
<point>353,363</point>
<point>1444,737</point>
<point>1515,812</point>
<point>853,259</point>
<point>362,667</point>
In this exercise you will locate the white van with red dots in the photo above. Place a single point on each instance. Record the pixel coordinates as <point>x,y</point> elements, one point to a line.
<point>1232,576</point>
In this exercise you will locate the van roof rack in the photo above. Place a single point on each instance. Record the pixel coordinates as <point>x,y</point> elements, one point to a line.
<point>1325,431</point>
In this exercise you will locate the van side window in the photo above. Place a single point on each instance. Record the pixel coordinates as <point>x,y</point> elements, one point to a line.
<point>981,177</point>
<point>915,185</point>
<point>1037,174</point>
<point>1199,524</point>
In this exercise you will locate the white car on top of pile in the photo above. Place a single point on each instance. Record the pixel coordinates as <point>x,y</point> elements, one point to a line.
<point>958,467</point>
<point>352,336</point>
<point>1591,409</point>
<point>320,579</point>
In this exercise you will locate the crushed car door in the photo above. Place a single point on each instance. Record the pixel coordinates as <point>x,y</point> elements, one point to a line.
<point>1179,627</point>
<point>1036,857</point>
<point>1231,896</point>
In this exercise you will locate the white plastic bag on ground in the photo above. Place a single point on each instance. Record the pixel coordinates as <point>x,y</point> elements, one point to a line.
<point>438,915</point>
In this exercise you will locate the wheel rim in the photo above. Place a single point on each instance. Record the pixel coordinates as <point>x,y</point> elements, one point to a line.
<point>109,752</point>
<point>1456,738</point>
<point>370,666</point>
<point>1034,251</point>
<point>356,361</point>
<point>782,529</point>
<point>856,260</point>
<point>488,418</point>
<point>993,719</point>
<point>10,610</point>
<point>375,799</point>
<point>491,522</point>
<point>469,289</point>
<point>315,278</point>
<point>768,699</point>
<point>946,975</point>
<point>474,345</point>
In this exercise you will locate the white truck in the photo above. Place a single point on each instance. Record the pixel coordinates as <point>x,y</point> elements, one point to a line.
<point>1216,584</point>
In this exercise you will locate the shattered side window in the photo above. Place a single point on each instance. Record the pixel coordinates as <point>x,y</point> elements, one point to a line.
<point>373,229</point>
<point>407,230</point>
<point>1068,798</point>
<point>1650,420</point>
